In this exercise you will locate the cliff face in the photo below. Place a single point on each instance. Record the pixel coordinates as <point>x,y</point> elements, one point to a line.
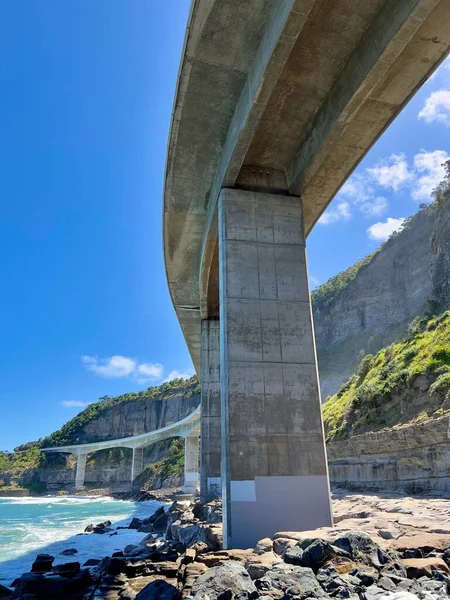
<point>405,278</point>
<point>138,416</point>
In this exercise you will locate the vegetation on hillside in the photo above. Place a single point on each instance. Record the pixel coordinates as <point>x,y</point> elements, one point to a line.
<point>154,474</point>
<point>387,388</point>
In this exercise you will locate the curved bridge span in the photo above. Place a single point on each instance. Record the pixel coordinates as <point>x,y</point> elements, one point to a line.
<point>188,428</point>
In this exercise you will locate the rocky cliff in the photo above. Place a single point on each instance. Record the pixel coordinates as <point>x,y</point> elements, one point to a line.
<point>371,304</point>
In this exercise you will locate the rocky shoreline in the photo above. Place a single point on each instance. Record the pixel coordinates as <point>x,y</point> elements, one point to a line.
<point>381,548</point>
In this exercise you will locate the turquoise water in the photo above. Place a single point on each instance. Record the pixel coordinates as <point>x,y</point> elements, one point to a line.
<point>29,526</point>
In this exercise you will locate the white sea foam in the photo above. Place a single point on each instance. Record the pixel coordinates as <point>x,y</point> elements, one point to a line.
<point>29,526</point>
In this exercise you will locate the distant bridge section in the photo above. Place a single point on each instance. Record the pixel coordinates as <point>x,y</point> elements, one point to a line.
<point>187,428</point>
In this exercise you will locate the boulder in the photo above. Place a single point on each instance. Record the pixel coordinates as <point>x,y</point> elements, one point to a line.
<point>258,564</point>
<point>135,523</point>
<point>361,547</point>
<point>42,563</point>
<point>5,592</point>
<point>292,580</point>
<point>92,562</point>
<point>159,590</point>
<point>160,523</point>
<point>264,545</point>
<point>230,578</point>
<point>67,570</point>
<point>426,542</point>
<point>424,567</point>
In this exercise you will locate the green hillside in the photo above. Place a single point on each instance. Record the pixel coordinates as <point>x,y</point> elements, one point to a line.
<point>405,382</point>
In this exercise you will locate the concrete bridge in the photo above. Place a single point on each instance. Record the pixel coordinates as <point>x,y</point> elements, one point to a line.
<point>277,102</point>
<point>188,428</point>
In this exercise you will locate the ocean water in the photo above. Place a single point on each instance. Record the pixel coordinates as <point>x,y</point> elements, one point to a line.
<point>29,526</point>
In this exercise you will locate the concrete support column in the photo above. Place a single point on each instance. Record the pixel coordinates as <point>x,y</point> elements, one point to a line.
<point>81,470</point>
<point>274,468</point>
<point>137,466</point>
<point>210,451</point>
<point>190,464</point>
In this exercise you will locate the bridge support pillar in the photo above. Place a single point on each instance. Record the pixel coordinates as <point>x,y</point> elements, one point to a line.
<point>210,451</point>
<point>137,466</point>
<point>81,470</point>
<point>191,464</point>
<point>274,468</point>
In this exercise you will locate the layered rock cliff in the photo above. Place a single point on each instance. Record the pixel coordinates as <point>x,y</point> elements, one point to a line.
<point>371,304</point>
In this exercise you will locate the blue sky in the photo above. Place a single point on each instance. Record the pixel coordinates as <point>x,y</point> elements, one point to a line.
<point>84,113</point>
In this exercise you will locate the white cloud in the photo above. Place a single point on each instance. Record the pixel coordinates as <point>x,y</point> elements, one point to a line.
<point>152,370</point>
<point>114,366</point>
<point>382,230</point>
<point>77,403</point>
<point>391,173</point>
<point>437,107</point>
<point>375,207</point>
<point>340,213</point>
<point>429,173</point>
<point>180,374</point>
<point>123,366</point>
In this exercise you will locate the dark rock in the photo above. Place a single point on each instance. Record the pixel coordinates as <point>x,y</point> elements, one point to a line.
<point>5,592</point>
<point>67,569</point>
<point>51,587</point>
<point>230,576</point>
<point>294,555</point>
<point>135,523</point>
<point>159,590</point>
<point>42,563</point>
<point>160,524</point>
<point>415,553</point>
<point>445,556</point>
<point>292,580</point>
<point>99,528</point>
<point>366,578</point>
<point>362,548</point>
<point>320,552</point>
<point>92,562</point>
<point>394,568</point>
<point>69,552</point>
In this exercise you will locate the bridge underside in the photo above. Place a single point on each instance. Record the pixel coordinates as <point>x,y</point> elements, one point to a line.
<point>277,102</point>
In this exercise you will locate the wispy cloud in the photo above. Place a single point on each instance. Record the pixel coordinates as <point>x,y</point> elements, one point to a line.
<point>340,213</point>
<point>74,403</point>
<point>429,173</point>
<point>392,172</point>
<point>117,366</point>
<point>382,230</point>
<point>179,374</point>
<point>437,108</point>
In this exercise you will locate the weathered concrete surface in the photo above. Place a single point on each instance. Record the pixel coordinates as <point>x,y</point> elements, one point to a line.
<point>81,469</point>
<point>274,470</point>
<point>293,92</point>
<point>137,465</point>
<point>210,458</point>
<point>191,463</point>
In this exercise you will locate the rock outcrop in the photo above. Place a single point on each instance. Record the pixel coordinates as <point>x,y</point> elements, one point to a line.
<point>408,276</point>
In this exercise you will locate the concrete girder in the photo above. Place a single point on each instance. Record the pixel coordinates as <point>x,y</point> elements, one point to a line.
<point>310,116</point>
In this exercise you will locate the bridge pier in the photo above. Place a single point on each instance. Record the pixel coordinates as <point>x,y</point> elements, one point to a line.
<point>274,468</point>
<point>210,451</point>
<point>81,470</point>
<point>137,465</point>
<point>191,457</point>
